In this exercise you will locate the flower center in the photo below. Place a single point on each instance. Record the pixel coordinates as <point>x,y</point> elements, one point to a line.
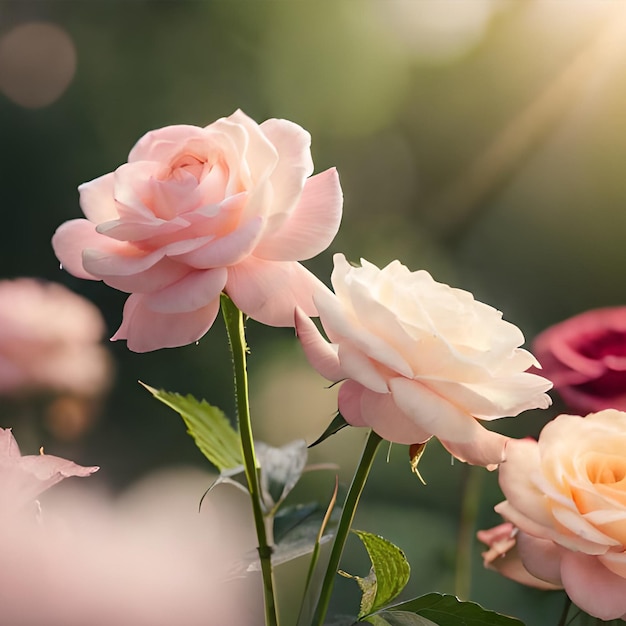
<point>606,469</point>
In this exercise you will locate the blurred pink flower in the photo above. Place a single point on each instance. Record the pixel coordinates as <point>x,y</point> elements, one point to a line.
<point>421,359</point>
<point>49,340</point>
<point>196,211</point>
<point>23,478</point>
<point>503,556</point>
<point>566,493</point>
<point>585,358</point>
<point>148,559</point>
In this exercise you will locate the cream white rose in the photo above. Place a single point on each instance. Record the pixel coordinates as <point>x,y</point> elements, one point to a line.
<point>420,359</point>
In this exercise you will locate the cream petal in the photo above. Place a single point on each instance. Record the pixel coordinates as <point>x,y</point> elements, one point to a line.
<point>146,330</point>
<point>321,355</point>
<point>432,412</point>
<point>358,367</point>
<point>495,398</point>
<point>269,291</point>
<point>516,481</point>
<point>311,226</point>
<point>487,449</point>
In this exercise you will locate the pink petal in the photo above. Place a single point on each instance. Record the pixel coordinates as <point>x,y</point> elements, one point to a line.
<point>97,199</point>
<point>321,355</point>
<point>162,274</point>
<point>294,166</point>
<point>592,587</point>
<point>312,225</point>
<point>542,559</point>
<point>69,241</point>
<point>164,143</point>
<point>147,330</point>
<point>227,250</point>
<point>269,292</point>
<point>8,445</point>
<point>382,414</point>
<point>349,403</point>
<point>195,291</point>
<point>259,155</point>
<point>116,258</point>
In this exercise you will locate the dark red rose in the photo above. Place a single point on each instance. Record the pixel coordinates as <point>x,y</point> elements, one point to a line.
<point>585,358</point>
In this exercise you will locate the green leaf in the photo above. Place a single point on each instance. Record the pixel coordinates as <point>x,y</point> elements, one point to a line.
<point>389,574</point>
<point>398,618</point>
<point>447,610</point>
<point>209,427</point>
<point>334,427</point>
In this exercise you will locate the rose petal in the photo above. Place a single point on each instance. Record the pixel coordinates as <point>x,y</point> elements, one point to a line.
<point>195,291</point>
<point>97,199</point>
<point>592,587</point>
<point>320,354</point>
<point>269,292</point>
<point>312,225</point>
<point>147,330</point>
<point>69,241</point>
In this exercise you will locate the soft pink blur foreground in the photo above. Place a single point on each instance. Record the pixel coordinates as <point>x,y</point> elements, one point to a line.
<point>150,559</point>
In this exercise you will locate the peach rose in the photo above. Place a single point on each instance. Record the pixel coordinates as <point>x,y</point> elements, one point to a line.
<point>566,493</point>
<point>50,340</point>
<point>421,359</point>
<point>197,211</point>
<point>585,358</point>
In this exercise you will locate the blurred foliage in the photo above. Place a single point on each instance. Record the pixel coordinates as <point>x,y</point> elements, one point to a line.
<point>482,140</point>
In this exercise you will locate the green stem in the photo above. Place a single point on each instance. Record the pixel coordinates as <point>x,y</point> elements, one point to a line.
<point>472,488</point>
<point>233,319</point>
<point>343,529</point>
<point>565,613</point>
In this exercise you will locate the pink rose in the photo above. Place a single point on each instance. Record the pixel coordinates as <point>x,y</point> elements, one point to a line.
<point>566,493</point>
<point>50,340</point>
<point>421,359</point>
<point>197,211</point>
<point>503,556</point>
<point>585,358</point>
<point>23,478</point>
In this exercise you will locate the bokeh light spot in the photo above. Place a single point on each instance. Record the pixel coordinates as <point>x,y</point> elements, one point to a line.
<point>37,64</point>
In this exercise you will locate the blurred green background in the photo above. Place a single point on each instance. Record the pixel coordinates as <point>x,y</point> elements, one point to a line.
<point>482,140</point>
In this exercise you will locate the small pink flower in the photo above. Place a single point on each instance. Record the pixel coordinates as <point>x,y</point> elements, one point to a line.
<point>50,340</point>
<point>420,359</point>
<point>585,358</point>
<point>503,555</point>
<point>23,478</point>
<point>196,211</point>
<point>566,493</point>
